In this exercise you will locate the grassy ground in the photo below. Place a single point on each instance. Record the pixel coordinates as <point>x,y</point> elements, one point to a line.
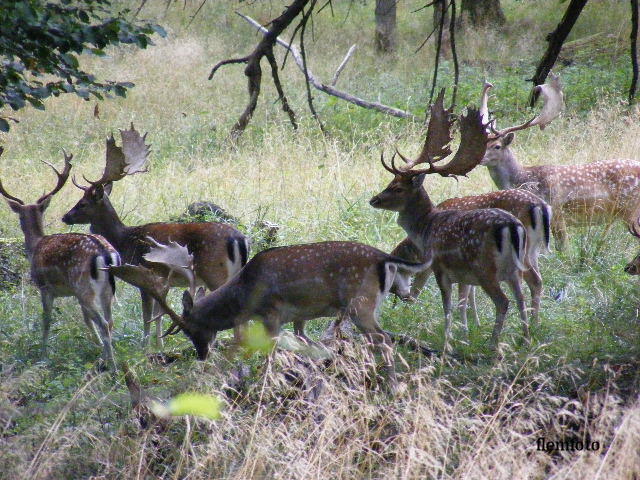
<point>470,417</point>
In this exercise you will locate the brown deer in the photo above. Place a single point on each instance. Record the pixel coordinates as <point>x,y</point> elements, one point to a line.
<point>68,265</point>
<point>290,284</point>
<point>475,247</point>
<point>535,215</point>
<point>219,250</point>
<point>586,194</point>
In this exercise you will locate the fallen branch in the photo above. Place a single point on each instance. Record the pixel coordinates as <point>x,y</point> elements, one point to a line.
<point>330,89</point>
<point>343,64</point>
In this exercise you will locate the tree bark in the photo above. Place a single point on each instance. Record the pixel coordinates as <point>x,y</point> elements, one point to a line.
<point>386,26</point>
<point>634,51</point>
<point>556,39</point>
<point>482,13</point>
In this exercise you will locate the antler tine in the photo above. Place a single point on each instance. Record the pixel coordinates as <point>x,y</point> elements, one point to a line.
<point>8,196</point>
<point>437,143</point>
<point>484,104</point>
<point>62,177</point>
<point>553,105</point>
<point>73,180</point>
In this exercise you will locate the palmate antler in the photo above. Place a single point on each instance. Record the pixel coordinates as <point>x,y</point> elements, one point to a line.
<point>176,258</point>
<point>129,159</point>
<point>473,143</point>
<point>553,105</point>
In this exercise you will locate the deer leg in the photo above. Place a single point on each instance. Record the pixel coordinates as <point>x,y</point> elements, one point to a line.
<point>472,304</point>
<point>92,314</point>
<point>106,300</point>
<point>147,311</point>
<point>445,291</point>
<point>47,308</point>
<point>559,231</point>
<point>463,297</point>
<point>501,302</point>
<point>516,288</point>
<point>363,316</point>
<point>157,313</point>
<point>534,282</point>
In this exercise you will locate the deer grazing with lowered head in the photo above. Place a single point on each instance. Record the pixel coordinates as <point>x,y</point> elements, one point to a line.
<point>535,215</point>
<point>474,247</point>
<point>291,284</point>
<point>582,194</point>
<point>68,265</point>
<point>219,250</point>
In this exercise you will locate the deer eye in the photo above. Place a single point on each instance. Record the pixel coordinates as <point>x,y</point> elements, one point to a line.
<point>497,147</point>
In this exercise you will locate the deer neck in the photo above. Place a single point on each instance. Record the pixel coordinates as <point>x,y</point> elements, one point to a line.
<point>508,173</point>
<point>415,215</point>
<point>108,224</point>
<point>33,232</point>
<point>221,309</point>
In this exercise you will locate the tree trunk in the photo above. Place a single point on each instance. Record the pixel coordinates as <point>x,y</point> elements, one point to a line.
<point>556,39</point>
<point>385,26</point>
<point>482,13</point>
<point>634,51</point>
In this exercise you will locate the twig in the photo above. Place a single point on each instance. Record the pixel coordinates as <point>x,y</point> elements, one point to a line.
<point>347,57</point>
<point>305,19</point>
<point>443,12</point>
<point>634,50</point>
<point>454,53</point>
<point>328,89</point>
<point>281,96</point>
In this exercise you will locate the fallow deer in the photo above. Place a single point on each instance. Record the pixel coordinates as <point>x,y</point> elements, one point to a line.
<point>583,194</point>
<point>475,247</point>
<point>68,265</point>
<point>291,284</point>
<point>219,250</point>
<point>535,215</point>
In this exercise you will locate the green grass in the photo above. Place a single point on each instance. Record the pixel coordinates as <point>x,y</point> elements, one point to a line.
<point>464,417</point>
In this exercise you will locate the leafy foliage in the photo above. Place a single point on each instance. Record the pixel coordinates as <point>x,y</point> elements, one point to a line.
<point>40,43</point>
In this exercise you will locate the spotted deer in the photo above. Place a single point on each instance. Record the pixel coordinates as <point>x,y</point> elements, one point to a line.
<point>474,247</point>
<point>68,265</point>
<point>292,284</point>
<point>584,194</point>
<point>219,250</point>
<point>535,215</point>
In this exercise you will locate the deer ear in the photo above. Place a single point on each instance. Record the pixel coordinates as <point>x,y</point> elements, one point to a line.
<point>187,303</point>
<point>13,205</point>
<point>418,180</point>
<point>506,141</point>
<point>44,203</point>
<point>108,187</point>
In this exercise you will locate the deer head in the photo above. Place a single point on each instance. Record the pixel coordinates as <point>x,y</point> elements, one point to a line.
<point>31,215</point>
<point>120,162</point>
<point>408,180</point>
<point>499,140</point>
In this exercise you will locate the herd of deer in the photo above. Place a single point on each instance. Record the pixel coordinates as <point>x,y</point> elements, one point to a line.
<point>481,240</point>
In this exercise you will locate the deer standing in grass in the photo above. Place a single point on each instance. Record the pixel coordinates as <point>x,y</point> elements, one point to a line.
<point>219,250</point>
<point>535,215</point>
<point>291,284</point>
<point>68,265</point>
<point>474,247</point>
<point>584,194</point>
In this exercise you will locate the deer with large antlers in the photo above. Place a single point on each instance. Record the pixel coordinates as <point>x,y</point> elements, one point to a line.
<point>535,215</point>
<point>288,284</point>
<point>474,247</point>
<point>219,250</point>
<point>68,265</point>
<point>583,194</point>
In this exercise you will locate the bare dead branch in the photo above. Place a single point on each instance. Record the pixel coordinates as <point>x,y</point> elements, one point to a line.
<point>281,96</point>
<point>305,19</point>
<point>454,53</point>
<point>329,89</point>
<point>443,8</point>
<point>343,64</point>
<point>227,62</point>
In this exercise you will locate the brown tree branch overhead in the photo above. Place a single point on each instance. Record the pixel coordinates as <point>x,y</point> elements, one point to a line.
<point>253,70</point>
<point>556,39</point>
<point>329,89</point>
<point>634,50</point>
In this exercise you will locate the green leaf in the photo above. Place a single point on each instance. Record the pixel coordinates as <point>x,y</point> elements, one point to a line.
<point>196,404</point>
<point>257,339</point>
